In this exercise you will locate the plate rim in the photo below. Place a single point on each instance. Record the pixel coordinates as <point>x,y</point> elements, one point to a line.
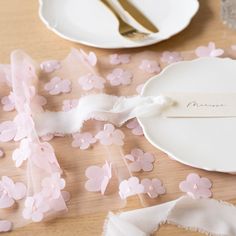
<point>171,154</point>
<point>60,34</point>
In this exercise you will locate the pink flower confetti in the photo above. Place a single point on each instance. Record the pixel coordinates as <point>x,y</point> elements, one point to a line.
<point>196,187</point>
<point>22,153</point>
<point>135,127</point>
<point>171,57</point>
<point>140,160</point>
<point>83,140</point>
<point>130,187</point>
<point>58,85</point>
<point>153,187</point>
<point>209,51</point>
<point>150,66</point>
<point>8,102</point>
<point>120,77</point>
<point>69,104</point>
<point>50,66</point>
<point>90,57</point>
<point>139,88</point>
<point>10,192</point>
<point>109,135</point>
<point>35,207</point>
<point>116,59</point>
<point>53,185</point>
<point>91,81</point>
<point>8,131</point>
<point>2,153</point>
<point>98,178</point>
<point>5,225</point>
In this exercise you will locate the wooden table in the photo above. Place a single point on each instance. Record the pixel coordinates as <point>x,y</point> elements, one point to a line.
<point>20,27</point>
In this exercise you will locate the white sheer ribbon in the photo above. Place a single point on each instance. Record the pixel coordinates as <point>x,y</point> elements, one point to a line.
<point>203,215</point>
<point>116,110</point>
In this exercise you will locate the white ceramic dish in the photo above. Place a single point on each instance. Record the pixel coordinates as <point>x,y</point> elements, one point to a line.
<point>206,143</point>
<point>90,23</point>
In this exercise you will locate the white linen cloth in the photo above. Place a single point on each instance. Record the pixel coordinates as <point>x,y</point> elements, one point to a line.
<point>203,215</point>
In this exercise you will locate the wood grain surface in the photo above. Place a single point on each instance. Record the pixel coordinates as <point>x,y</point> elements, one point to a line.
<point>20,27</point>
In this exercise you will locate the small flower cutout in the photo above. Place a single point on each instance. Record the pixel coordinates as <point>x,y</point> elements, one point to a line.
<point>83,140</point>
<point>120,77</point>
<point>10,192</point>
<point>35,207</point>
<point>58,85</point>
<point>153,187</point>
<point>140,160</point>
<point>150,66</point>
<point>209,51</point>
<point>196,187</point>
<point>98,178</point>
<point>116,59</point>
<point>135,127</point>
<point>90,57</point>
<point>171,57</point>
<point>69,104</point>
<point>130,187</point>
<point>8,131</point>
<point>91,81</point>
<point>8,102</point>
<point>50,66</point>
<point>22,153</point>
<point>5,225</point>
<point>109,135</point>
<point>53,185</point>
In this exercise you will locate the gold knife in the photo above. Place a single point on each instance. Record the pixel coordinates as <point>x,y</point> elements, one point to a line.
<point>138,15</point>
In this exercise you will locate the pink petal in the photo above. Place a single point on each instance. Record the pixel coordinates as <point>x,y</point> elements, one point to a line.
<point>6,201</point>
<point>93,185</point>
<point>37,216</point>
<point>217,52</point>
<point>129,157</point>
<point>104,184</point>
<point>135,166</point>
<point>109,127</point>
<point>147,166</point>
<point>94,172</point>
<point>5,225</point>
<point>50,66</point>
<point>148,157</point>
<point>185,186</point>
<point>7,131</point>
<point>137,152</point>
<point>19,191</point>
<point>193,178</point>
<point>205,182</point>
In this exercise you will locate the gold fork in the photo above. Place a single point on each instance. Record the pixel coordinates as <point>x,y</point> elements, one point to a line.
<point>125,29</point>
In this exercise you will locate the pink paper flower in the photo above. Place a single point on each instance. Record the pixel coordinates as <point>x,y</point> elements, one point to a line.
<point>171,57</point>
<point>70,104</point>
<point>140,160</point>
<point>7,131</point>
<point>53,185</point>
<point>91,81</point>
<point>116,59</point>
<point>5,225</point>
<point>90,57</point>
<point>50,66</point>
<point>83,140</point>
<point>109,135</point>
<point>35,207</point>
<point>135,127</point>
<point>10,192</point>
<point>22,153</point>
<point>24,126</point>
<point>130,187</point>
<point>139,88</point>
<point>209,51</point>
<point>98,178</point>
<point>153,187</point>
<point>196,187</point>
<point>58,85</point>
<point>120,77</point>
<point>8,102</point>
<point>150,66</point>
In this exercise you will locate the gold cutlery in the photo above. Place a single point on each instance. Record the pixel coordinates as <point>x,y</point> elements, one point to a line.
<point>125,29</point>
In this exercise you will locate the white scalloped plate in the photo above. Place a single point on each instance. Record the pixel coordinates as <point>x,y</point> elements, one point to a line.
<point>90,23</point>
<point>206,143</point>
